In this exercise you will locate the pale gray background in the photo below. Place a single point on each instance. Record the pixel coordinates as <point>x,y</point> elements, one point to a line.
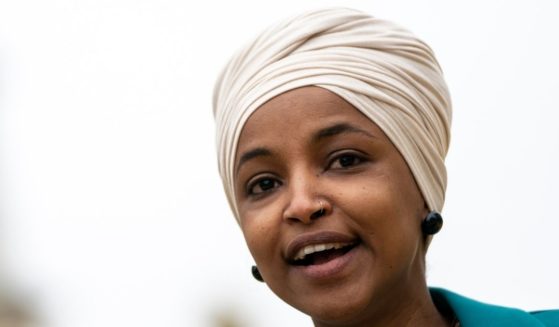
<point>112,212</point>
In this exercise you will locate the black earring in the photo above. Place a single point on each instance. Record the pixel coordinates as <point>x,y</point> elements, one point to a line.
<point>256,274</point>
<point>432,224</point>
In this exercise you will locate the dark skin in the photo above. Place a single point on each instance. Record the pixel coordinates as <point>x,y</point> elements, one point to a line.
<point>334,179</point>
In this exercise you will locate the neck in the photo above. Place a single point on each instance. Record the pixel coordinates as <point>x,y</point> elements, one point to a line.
<point>422,312</point>
<point>417,309</point>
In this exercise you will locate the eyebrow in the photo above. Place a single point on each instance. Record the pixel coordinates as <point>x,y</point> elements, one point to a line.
<point>338,129</point>
<point>254,153</point>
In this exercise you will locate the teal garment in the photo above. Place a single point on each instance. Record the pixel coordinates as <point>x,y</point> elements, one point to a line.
<point>472,313</point>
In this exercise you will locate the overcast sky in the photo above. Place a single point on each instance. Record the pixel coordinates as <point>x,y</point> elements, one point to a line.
<point>111,208</point>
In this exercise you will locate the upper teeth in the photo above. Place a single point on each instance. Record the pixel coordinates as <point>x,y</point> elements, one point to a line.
<point>309,249</point>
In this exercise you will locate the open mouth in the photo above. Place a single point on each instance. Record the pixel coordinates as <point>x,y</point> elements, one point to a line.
<point>317,254</point>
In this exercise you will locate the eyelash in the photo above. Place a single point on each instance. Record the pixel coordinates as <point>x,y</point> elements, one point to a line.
<point>250,191</point>
<point>339,156</point>
<point>255,183</point>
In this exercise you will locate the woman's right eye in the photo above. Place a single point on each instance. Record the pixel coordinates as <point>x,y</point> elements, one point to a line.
<point>262,185</point>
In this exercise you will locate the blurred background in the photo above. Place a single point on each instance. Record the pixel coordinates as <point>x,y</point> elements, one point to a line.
<point>111,207</point>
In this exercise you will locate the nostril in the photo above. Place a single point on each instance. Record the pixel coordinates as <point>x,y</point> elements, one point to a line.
<point>319,213</point>
<point>304,209</point>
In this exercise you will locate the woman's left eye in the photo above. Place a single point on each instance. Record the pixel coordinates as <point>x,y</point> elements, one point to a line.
<point>345,161</point>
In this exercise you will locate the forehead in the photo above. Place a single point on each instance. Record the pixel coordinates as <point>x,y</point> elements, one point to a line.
<point>300,112</point>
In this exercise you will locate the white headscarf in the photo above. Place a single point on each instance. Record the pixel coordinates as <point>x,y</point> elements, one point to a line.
<point>383,70</point>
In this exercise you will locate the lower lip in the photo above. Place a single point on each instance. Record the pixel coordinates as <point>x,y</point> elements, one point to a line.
<point>328,269</point>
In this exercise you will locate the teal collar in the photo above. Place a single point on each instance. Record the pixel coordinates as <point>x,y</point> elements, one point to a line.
<point>472,313</point>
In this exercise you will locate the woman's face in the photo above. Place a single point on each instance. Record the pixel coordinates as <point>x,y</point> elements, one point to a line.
<point>363,253</point>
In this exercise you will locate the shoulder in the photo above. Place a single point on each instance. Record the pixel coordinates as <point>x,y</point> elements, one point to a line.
<point>547,317</point>
<point>472,313</point>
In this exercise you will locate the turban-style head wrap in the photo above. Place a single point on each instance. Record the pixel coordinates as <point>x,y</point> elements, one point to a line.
<point>383,70</point>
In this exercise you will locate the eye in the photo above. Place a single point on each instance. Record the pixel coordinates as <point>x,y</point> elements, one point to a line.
<point>262,185</point>
<point>346,160</point>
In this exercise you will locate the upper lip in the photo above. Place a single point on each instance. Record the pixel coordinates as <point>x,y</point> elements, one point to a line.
<point>303,240</point>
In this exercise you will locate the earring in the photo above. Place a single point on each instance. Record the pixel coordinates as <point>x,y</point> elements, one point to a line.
<point>256,274</point>
<point>432,224</point>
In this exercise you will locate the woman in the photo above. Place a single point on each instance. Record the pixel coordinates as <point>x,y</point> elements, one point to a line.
<point>332,129</point>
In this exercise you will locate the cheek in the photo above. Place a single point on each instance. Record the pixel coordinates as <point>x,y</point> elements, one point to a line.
<point>384,211</point>
<point>260,230</point>
<point>388,194</point>
<point>369,199</point>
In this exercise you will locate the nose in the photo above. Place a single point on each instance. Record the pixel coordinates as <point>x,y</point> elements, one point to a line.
<point>305,203</point>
